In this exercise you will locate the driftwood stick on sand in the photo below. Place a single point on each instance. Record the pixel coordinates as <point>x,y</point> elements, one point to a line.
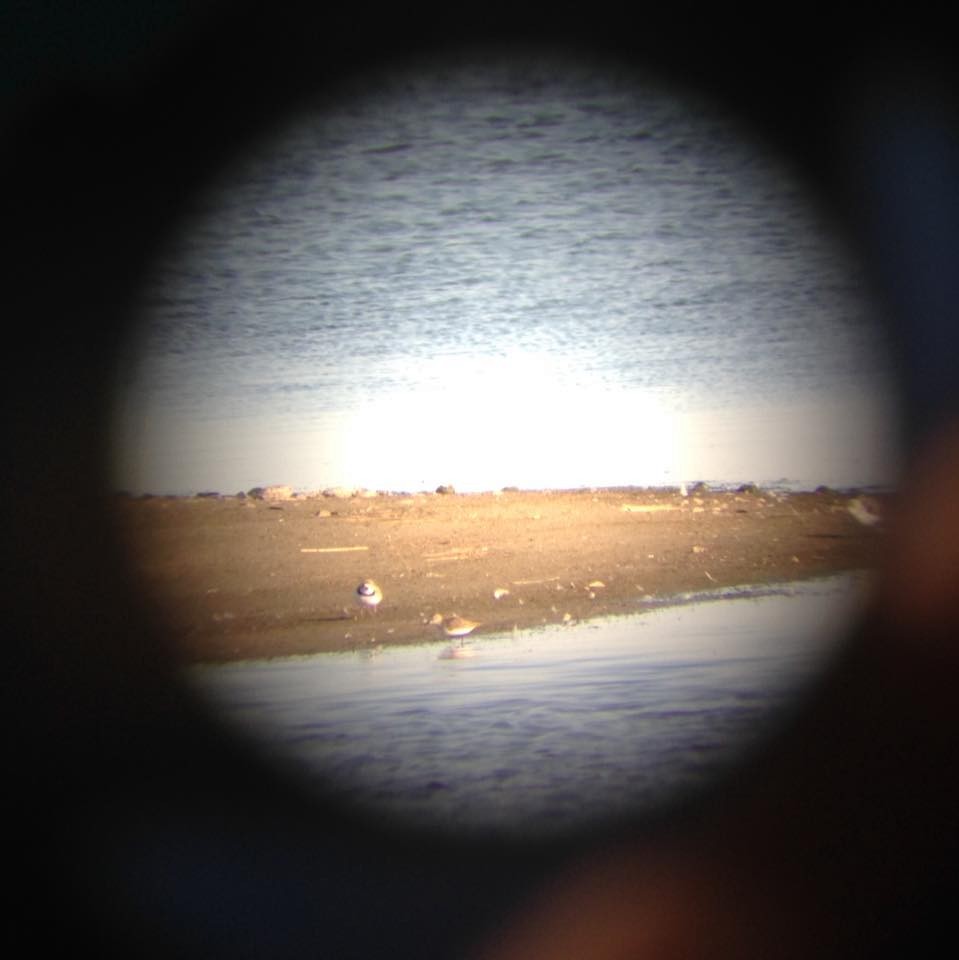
<point>648,507</point>
<point>330,549</point>
<point>457,553</point>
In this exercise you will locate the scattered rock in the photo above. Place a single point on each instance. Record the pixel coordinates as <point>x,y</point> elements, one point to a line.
<point>339,493</point>
<point>275,492</point>
<point>445,488</point>
<point>278,492</point>
<point>747,488</point>
<point>500,592</point>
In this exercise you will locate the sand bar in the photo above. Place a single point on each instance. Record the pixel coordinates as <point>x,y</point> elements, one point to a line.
<point>240,577</point>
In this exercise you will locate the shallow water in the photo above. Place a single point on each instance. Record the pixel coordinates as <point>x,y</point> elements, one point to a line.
<point>488,274</point>
<point>546,730</point>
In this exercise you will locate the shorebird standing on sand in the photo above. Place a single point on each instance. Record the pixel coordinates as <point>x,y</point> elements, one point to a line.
<point>368,595</point>
<point>454,627</point>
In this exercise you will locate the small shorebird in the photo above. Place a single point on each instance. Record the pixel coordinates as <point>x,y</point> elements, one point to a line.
<point>455,627</point>
<point>369,595</point>
<point>867,510</point>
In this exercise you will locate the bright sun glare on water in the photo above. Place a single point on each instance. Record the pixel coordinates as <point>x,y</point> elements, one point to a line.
<point>482,412</point>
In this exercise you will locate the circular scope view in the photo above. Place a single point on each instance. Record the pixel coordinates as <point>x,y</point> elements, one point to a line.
<point>508,441</point>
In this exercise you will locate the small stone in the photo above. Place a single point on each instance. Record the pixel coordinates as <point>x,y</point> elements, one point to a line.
<point>500,592</point>
<point>339,493</point>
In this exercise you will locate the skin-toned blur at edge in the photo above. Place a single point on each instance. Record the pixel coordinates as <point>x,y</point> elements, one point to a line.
<point>144,826</point>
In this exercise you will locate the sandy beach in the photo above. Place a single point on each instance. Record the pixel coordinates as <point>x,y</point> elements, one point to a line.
<point>240,577</point>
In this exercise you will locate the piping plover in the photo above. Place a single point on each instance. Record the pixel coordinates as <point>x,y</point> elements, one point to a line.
<point>368,595</point>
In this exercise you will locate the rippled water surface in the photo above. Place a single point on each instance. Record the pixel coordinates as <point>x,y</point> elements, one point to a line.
<point>544,730</point>
<point>540,274</point>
